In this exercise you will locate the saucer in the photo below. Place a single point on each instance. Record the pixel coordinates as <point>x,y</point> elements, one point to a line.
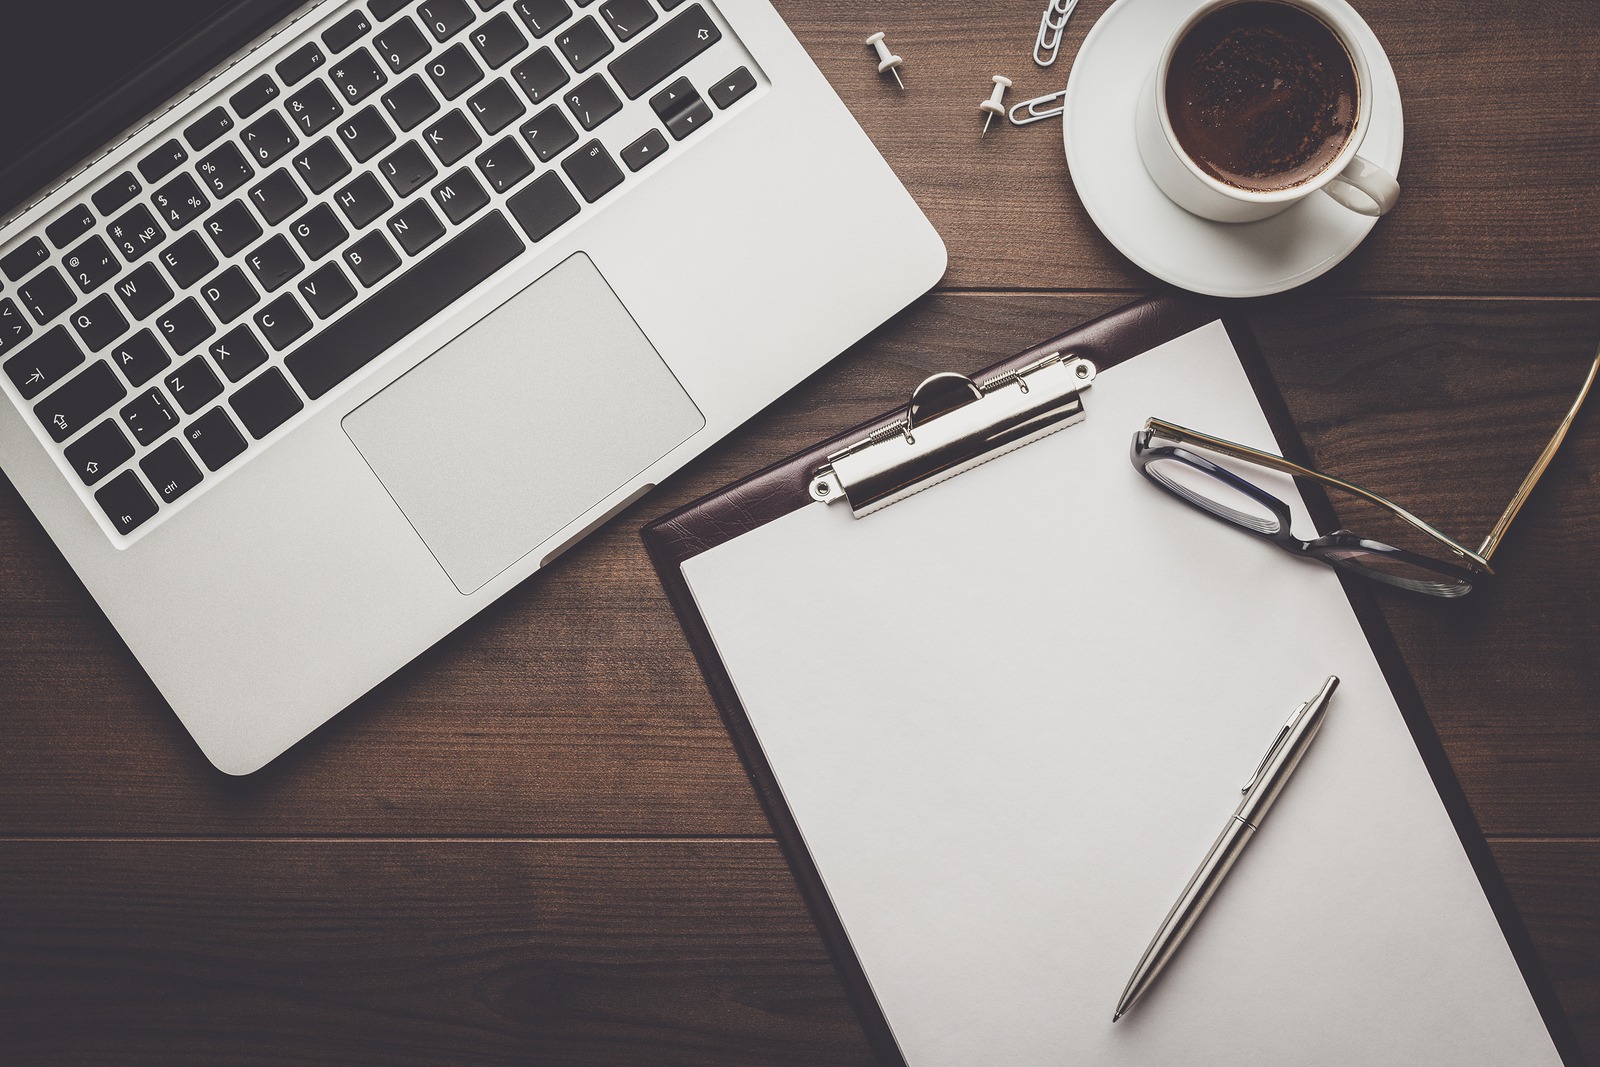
<point>1217,258</point>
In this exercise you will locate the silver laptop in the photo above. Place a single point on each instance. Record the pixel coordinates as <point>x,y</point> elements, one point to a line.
<point>405,298</point>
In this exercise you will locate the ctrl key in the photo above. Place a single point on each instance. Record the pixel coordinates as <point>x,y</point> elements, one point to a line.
<point>126,502</point>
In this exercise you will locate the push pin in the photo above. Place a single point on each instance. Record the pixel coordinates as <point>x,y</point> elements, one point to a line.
<point>993,106</point>
<point>887,61</point>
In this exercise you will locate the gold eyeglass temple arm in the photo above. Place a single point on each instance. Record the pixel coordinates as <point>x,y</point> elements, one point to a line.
<point>1492,542</point>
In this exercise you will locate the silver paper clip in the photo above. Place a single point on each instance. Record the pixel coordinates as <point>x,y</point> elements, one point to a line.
<point>1051,27</point>
<point>1038,109</point>
<point>952,425</point>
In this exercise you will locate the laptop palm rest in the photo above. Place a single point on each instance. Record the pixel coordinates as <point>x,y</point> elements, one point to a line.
<point>527,420</point>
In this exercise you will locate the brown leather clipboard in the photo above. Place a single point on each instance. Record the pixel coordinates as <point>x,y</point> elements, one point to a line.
<point>1114,338</point>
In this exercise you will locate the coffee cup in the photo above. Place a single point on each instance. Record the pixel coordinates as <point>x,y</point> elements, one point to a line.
<point>1256,105</point>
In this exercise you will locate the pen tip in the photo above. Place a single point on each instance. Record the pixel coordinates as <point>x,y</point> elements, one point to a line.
<point>1115,1016</point>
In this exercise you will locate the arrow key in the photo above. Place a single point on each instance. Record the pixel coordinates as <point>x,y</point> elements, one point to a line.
<point>99,452</point>
<point>645,151</point>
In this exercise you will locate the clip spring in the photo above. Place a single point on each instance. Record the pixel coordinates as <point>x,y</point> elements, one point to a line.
<point>1048,44</point>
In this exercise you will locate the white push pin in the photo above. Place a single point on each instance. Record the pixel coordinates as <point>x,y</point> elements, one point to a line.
<point>993,106</point>
<point>887,61</point>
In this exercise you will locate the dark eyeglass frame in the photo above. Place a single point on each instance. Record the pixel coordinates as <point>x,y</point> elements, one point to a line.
<point>1459,568</point>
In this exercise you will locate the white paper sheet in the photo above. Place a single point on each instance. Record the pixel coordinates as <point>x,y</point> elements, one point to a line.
<point>1011,714</point>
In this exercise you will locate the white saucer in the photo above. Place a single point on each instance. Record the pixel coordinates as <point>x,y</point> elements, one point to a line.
<point>1217,258</point>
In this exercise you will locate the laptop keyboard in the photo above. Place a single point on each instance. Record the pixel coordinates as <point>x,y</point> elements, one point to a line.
<point>322,207</point>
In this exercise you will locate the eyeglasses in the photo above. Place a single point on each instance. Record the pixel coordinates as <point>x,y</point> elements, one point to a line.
<point>1443,567</point>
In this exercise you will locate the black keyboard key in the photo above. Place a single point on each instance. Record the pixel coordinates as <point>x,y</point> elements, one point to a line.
<point>498,40</point>
<point>193,385</point>
<point>230,295</point>
<point>628,18</point>
<point>346,32</point>
<point>407,168</point>
<point>410,102</point>
<point>382,9</point>
<point>540,75</point>
<point>593,102</point>
<point>184,326</point>
<point>116,192</point>
<point>282,322</point>
<point>542,207</point>
<point>505,164</point>
<point>277,196</point>
<point>163,161</point>
<point>14,327</point>
<point>255,96</point>
<point>148,416</point>
<point>693,114</point>
<point>144,291</point>
<point>366,134</point>
<point>140,358</point>
<point>401,45</point>
<point>451,137</point>
<point>99,452</point>
<point>231,228</point>
<point>648,63</point>
<point>416,227</point>
<point>454,71</point>
<point>237,352</point>
<point>320,165</point>
<point>298,64</point>
<point>549,134</point>
<point>91,264</point>
<point>363,200</point>
<point>313,108</point>
<point>179,201</point>
<point>22,259</point>
<point>44,363</point>
<point>99,322</point>
<point>170,470</point>
<point>669,5</point>
<point>265,403</point>
<point>46,296</point>
<point>326,290</point>
<point>80,401</point>
<point>268,139</point>
<point>444,18</point>
<point>460,196</point>
<point>592,171</point>
<point>496,106</point>
<point>372,258</point>
<point>319,231</point>
<point>224,170</point>
<point>584,44</point>
<point>136,232</point>
<point>77,221</point>
<point>542,16</point>
<point>357,76</point>
<point>188,259</point>
<point>207,128</point>
<point>214,439</point>
<point>394,310</point>
<point>486,5</point>
<point>126,502</point>
<point>733,88</point>
<point>274,263</point>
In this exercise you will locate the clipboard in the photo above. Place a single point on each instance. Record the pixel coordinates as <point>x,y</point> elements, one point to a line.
<point>915,454</point>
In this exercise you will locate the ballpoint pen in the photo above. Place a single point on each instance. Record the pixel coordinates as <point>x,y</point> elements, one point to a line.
<point>1260,791</point>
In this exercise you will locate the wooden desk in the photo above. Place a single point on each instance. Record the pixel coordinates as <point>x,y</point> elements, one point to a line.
<point>535,844</point>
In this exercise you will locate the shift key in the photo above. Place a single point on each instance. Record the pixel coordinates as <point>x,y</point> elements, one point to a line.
<point>648,63</point>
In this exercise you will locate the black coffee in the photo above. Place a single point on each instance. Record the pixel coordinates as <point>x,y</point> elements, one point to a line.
<point>1261,95</point>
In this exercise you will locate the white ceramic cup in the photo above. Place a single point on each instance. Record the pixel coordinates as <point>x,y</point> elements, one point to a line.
<point>1354,182</point>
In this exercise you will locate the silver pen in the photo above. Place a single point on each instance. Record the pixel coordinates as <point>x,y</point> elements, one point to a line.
<point>1259,793</point>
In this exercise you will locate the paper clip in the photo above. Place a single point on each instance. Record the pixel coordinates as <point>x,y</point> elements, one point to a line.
<point>1038,109</point>
<point>1048,44</point>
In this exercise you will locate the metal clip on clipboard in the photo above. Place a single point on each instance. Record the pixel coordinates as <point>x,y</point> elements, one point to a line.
<point>952,425</point>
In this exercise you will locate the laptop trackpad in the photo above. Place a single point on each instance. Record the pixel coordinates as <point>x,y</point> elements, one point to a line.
<point>533,416</point>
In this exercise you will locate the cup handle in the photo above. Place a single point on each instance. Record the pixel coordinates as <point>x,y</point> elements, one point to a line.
<point>1364,188</point>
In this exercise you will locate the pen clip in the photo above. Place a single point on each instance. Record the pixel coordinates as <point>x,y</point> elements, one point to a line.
<point>1277,743</point>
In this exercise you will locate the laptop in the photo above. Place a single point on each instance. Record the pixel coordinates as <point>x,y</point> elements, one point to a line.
<point>329,323</point>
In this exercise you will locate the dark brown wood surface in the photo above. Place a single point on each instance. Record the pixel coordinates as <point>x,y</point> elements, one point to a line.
<point>536,844</point>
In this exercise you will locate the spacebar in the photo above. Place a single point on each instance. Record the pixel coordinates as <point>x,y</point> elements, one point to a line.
<point>404,304</point>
